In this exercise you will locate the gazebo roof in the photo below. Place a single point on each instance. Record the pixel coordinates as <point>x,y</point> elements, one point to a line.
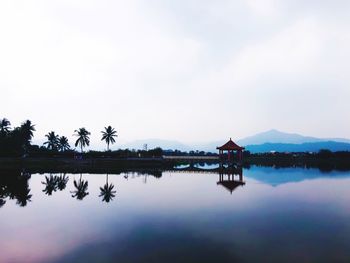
<point>230,185</point>
<point>230,145</point>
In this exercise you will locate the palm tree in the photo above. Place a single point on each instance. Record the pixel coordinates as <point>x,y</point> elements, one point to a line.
<point>107,192</point>
<point>108,135</point>
<point>83,138</point>
<point>63,144</point>
<point>25,133</point>
<point>4,126</point>
<point>52,140</point>
<point>81,189</point>
<point>27,129</point>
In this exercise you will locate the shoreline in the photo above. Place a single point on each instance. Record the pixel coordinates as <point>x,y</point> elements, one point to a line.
<point>161,163</point>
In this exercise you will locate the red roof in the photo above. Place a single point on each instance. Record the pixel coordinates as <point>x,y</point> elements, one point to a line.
<point>230,145</point>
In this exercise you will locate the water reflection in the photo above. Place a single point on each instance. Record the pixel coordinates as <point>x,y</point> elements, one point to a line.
<point>107,192</point>
<point>53,183</point>
<point>50,184</point>
<point>62,181</point>
<point>14,185</point>
<point>231,178</point>
<point>186,216</point>
<point>81,189</point>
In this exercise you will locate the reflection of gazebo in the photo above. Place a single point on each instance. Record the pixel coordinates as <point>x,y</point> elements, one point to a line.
<point>231,147</point>
<point>227,178</point>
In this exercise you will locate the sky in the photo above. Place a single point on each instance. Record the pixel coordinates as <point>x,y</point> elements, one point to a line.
<point>185,70</point>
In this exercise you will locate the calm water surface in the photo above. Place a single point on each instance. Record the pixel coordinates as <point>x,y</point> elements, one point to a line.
<point>279,215</point>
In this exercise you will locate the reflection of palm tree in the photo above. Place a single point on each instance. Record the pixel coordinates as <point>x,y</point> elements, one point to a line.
<point>63,144</point>
<point>81,189</point>
<point>83,138</point>
<point>52,140</point>
<point>62,182</point>
<point>108,135</point>
<point>107,192</point>
<point>50,184</point>
<point>22,194</point>
<point>23,197</point>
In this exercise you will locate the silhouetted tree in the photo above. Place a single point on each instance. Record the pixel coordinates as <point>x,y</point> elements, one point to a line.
<point>27,129</point>
<point>324,153</point>
<point>83,138</point>
<point>52,140</point>
<point>4,126</point>
<point>4,135</point>
<point>63,144</point>
<point>108,135</point>
<point>107,192</point>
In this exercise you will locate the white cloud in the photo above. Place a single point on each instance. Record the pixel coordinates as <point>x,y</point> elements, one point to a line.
<point>186,70</point>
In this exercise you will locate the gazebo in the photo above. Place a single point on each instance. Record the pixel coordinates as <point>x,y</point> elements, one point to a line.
<point>231,147</point>
<point>230,182</point>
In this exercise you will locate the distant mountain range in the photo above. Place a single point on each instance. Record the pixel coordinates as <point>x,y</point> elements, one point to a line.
<point>303,147</point>
<point>275,136</point>
<point>275,140</point>
<point>268,141</point>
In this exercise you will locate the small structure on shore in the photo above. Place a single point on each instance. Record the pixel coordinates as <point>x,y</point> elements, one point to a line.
<point>231,147</point>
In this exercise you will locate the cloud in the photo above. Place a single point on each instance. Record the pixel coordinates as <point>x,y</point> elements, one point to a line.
<point>184,70</point>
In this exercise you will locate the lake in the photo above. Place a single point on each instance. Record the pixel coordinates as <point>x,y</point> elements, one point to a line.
<point>278,215</point>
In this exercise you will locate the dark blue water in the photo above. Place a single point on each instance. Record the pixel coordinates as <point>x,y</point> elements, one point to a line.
<point>279,215</point>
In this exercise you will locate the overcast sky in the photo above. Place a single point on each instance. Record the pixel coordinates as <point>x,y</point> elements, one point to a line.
<point>187,70</point>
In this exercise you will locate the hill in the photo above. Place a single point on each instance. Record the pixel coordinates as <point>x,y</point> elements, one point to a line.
<point>302,147</point>
<point>272,140</point>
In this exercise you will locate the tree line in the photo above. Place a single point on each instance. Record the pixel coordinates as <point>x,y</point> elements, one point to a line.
<point>16,141</point>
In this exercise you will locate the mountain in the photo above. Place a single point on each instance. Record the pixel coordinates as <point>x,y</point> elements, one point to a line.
<point>302,147</point>
<point>275,140</point>
<point>272,140</point>
<point>275,136</point>
<point>172,145</point>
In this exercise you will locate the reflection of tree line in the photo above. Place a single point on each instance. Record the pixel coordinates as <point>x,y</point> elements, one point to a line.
<point>14,185</point>
<point>54,183</point>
